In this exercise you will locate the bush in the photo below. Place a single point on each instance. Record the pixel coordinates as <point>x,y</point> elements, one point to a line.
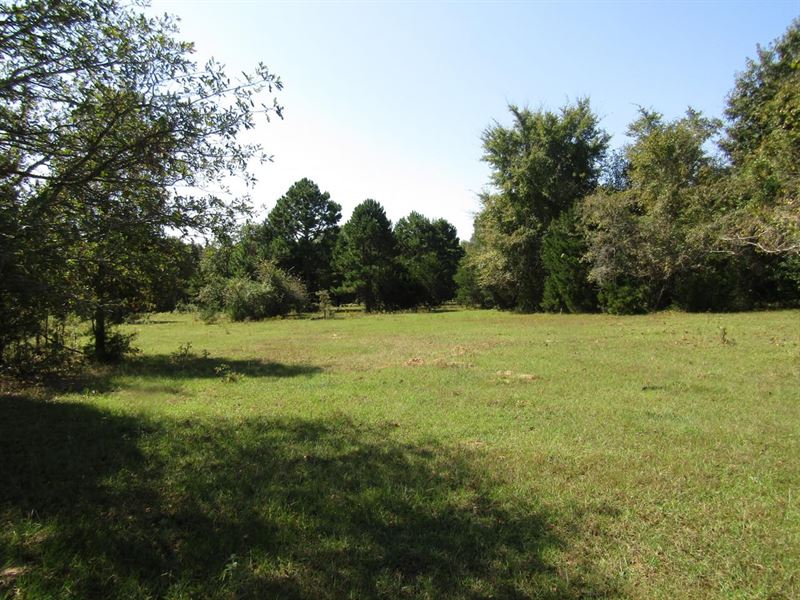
<point>118,346</point>
<point>212,295</point>
<point>185,307</point>
<point>274,293</point>
<point>291,294</point>
<point>624,298</point>
<point>324,304</point>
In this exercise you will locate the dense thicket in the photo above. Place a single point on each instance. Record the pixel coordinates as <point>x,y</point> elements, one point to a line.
<point>667,220</point>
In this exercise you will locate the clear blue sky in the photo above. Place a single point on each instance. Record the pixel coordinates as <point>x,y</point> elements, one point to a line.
<point>387,100</point>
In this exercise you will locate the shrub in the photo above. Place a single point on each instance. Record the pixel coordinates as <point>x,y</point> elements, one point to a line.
<point>118,345</point>
<point>324,304</point>
<point>274,293</point>
<point>624,298</point>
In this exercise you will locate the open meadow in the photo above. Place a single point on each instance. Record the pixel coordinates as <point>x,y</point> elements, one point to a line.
<point>455,454</point>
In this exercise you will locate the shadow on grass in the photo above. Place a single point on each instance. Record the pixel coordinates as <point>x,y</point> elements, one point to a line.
<point>166,365</point>
<point>98,505</point>
<point>104,378</point>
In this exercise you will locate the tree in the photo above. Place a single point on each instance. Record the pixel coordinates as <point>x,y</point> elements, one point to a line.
<point>365,254</point>
<point>566,285</point>
<point>303,228</point>
<point>469,292</point>
<point>430,253</point>
<point>541,166</point>
<point>642,238</point>
<point>763,145</point>
<point>246,250</point>
<point>108,133</point>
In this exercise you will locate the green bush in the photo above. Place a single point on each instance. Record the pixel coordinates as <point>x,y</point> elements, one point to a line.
<point>624,298</point>
<point>274,293</point>
<point>118,345</point>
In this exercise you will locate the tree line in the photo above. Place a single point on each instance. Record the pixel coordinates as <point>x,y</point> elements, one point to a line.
<point>694,213</point>
<point>300,257</point>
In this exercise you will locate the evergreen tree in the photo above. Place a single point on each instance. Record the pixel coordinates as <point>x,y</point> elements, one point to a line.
<point>566,285</point>
<point>430,253</point>
<point>302,231</point>
<point>364,256</point>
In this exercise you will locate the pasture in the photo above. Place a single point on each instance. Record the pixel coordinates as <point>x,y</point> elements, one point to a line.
<point>457,454</point>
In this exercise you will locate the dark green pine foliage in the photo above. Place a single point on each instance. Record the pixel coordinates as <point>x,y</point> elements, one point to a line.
<point>301,232</point>
<point>364,257</point>
<point>566,286</point>
<point>429,251</point>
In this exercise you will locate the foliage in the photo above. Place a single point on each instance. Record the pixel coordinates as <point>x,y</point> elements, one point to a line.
<point>364,256</point>
<point>302,229</point>
<point>763,144</point>
<point>430,252</point>
<point>173,283</point>
<point>325,305</point>
<point>273,293</point>
<point>642,238</point>
<point>241,254</point>
<point>566,284</point>
<point>469,292</point>
<point>625,297</point>
<point>51,352</point>
<point>118,346</point>
<point>109,132</point>
<point>541,166</point>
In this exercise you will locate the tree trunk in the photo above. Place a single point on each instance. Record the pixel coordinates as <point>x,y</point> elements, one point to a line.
<point>100,334</point>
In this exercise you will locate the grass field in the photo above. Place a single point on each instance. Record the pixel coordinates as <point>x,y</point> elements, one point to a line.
<point>445,455</point>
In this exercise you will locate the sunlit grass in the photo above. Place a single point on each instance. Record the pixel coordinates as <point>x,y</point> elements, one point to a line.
<point>456,454</point>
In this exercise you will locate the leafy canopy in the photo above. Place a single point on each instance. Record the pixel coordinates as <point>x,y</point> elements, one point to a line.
<point>109,134</point>
<point>541,166</point>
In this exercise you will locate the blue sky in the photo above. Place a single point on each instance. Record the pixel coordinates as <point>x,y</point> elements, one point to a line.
<point>387,100</point>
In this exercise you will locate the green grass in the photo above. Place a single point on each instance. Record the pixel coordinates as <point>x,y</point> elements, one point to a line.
<point>445,455</point>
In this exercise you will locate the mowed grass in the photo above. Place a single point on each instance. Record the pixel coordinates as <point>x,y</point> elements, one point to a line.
<point>464,454</point>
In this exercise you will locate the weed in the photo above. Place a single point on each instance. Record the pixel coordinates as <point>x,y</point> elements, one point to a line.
<point>226,374</point>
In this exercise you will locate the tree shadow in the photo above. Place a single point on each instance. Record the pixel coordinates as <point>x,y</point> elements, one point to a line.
<point>105,378</point>
<point>193,366</point>
<point>98,505</point>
